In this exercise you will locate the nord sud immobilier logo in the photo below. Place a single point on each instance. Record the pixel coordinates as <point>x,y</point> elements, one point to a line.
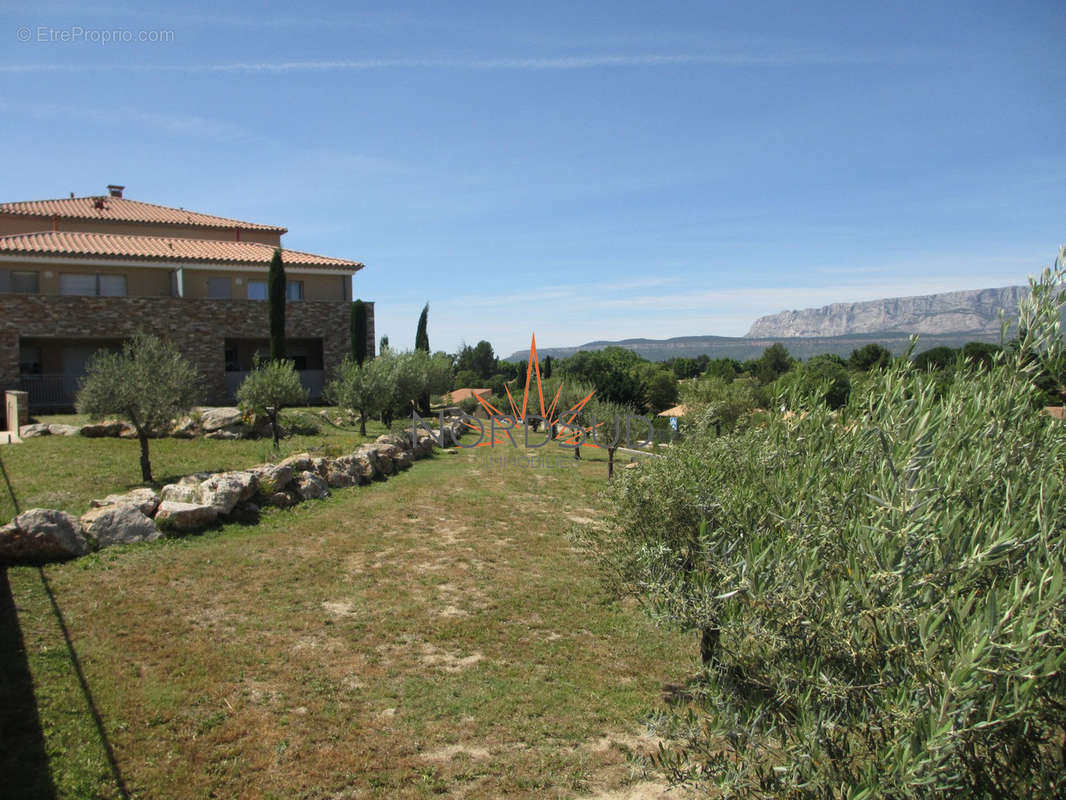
<point>568,428</point>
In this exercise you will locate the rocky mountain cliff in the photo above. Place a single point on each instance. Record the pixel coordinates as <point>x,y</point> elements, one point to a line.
<point>972,311</point>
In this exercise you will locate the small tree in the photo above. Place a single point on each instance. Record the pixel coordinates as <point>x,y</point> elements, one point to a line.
<point>276,296</point>
<point>270,387</point>
<point>359,331</point>
<point>422,345</point>
<point>422,332</point>
<point>870,356</point>
<point>149,383</point>
<point>363,388</point>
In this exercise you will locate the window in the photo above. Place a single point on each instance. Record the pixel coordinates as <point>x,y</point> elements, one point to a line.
<point>219,288</point>
<point>257,290</point>
<point>18,282</point>
<point>77,284</point>
<point>294,290</point>
<point>29,360</point>
<point>93,285</point>
<point>111,285</point>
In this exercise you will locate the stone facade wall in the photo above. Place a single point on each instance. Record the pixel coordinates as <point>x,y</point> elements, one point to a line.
<point>197,327</point>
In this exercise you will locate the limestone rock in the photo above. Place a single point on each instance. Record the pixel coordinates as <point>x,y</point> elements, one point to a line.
<point>42,534</point>
<point>214,419</point>
<point>96,430</point>
<point>119,524</point>
<point>57,429</point>
<point>36,429</point>
<point>402,460</point>
<point>224,490</point>
<point>177,516</point>
<point>310,486</point>
<point>394,440</point>
<point>282,499</point>
<point>236,431</point>
<point>184,491</point>
<point>145,500</point>
<point>184,428</point>
<point>273,477</point>
<point>299,462</point>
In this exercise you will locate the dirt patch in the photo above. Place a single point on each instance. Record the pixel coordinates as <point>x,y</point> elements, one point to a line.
<point>444,754</point>
<point>339,608</point>
<point>449,662</point>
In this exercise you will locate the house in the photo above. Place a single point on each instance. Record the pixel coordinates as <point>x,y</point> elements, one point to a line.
<point>83,273</point>
<point>459,395</point>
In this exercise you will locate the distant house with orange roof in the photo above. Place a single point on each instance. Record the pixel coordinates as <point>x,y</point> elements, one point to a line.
<point>459,395</point>
<point>83,273</point>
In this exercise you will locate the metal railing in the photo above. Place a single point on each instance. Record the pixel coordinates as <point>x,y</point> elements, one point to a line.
<point>50,390</point>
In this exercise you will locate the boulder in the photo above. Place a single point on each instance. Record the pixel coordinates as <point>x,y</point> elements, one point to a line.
<point>299,462</point>
<point>97,430</point>
<point>224,490</point>
<point>42,534</point>
<point>57,429</point>
<point>320,465</point>
<point>385,464</point>
<point>177,516</point>
<point>273,477</point>
<point>310,486</point>
<point>237,431</point>
<point>389,450</point>
<point>145,500</point>
<point>361,465</point>
<point>282,499</point>
<point>402,460</point>
<point>341,475</point>
<point>392,439</point>
<point>37,429</point>
<point>186,490</point>
<point>213,419</point>
<point>184,428</point>
<point>119,524</point>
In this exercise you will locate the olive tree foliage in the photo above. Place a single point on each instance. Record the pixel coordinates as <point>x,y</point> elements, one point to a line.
<point>149,383</point>
<point>364,389</point>
<point>269,388</point>
<point>722,402</point>
<point>878,591</point>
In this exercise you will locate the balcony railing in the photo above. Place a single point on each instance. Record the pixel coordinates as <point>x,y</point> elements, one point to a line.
<point>50,391</point>
<point>312,380</point>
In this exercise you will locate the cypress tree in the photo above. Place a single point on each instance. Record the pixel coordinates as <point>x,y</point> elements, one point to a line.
<point>359,332</point>
<point>422,334</point>
<point>276,296</point>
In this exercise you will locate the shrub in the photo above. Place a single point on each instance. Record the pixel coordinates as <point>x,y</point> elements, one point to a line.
<point>878,592</point>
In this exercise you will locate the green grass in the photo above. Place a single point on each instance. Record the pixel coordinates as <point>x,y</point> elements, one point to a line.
<point>435,633</point>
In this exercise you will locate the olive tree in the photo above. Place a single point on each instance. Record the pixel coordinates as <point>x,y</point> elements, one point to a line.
<point>363,388</point>
<point>879,592</point>
<point>270,387</point>
<point>148,383</point>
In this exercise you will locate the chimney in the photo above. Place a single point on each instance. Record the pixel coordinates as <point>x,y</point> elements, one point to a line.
<point>115,190</point>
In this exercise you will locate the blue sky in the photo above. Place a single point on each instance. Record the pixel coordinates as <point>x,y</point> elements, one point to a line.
<point>582,170</point>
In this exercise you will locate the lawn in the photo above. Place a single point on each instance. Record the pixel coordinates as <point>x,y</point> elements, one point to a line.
<point>433,634</point>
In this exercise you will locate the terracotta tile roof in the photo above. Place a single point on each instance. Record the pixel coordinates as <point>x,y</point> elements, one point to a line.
<point>461,394</point>
<point>122,209</point>
<point>163,248</point>
<point>676,411</point>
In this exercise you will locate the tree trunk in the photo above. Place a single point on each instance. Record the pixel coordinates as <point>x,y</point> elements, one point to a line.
<point>146,465</point>
<point>274,427</point>
<point>610,463</point>
<point>362,424</point>
<point>709,638</point>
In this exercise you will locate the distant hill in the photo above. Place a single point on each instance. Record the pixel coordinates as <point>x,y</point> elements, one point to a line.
<point>950,319</point>
<point>745,347</point>
<point>945,313</point>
